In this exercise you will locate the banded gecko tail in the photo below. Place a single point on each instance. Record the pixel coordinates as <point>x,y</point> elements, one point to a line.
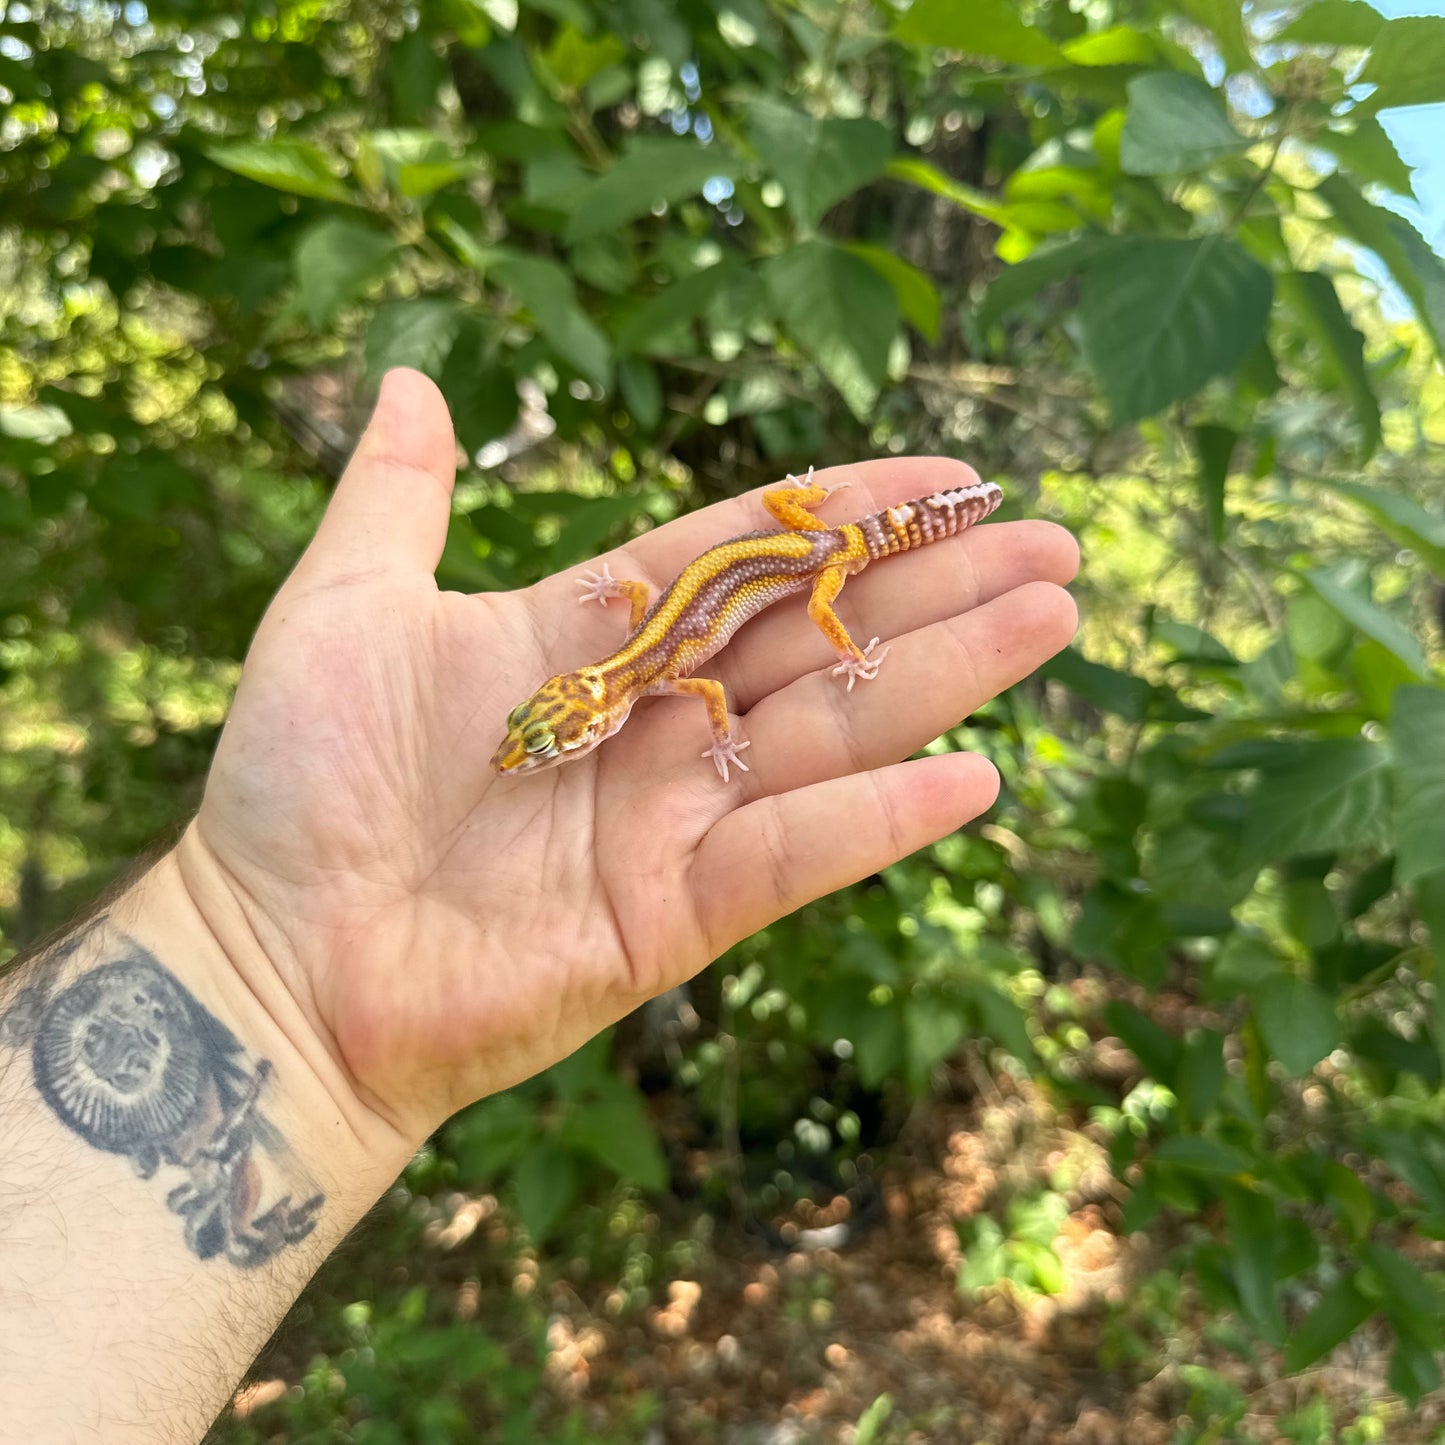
<point>929,519</point>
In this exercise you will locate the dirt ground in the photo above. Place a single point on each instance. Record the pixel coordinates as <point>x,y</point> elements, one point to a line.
<point>789,1341</point>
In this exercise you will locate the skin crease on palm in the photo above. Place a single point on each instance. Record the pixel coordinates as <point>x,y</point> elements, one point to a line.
<point>427,932</point>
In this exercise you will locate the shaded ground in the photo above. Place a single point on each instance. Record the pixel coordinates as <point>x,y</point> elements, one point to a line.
<point>739,1343</point>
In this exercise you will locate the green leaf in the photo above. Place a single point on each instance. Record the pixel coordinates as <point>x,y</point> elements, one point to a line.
<point>1024,279</point>
<point>818,161</point>
<point>1414,1370</point>
<point>979,27</point>
<point>481,392</point>
<point>1341,1310</point>
<point>658,318</point>
<point>574,58</point>
<point>1369,152</point>
<point>1199,1079</point>
<point>1106,687</point>
<point>1429,271</point>
<point>1312,297</point>
<point>415,333</point>
<point>1298,1023</point>
<point>841,312</point>
<point>1214,445</point>
<point>415,71</point>
<point>334,260</point>
<point>1327,794</point>
<point>1224,20</point>
<point>928,177</point>
<point>872,1420</point>
<point>1378,230</point>
<point>1197,1155</point>
<point>546,290</point>
<point>1333,22</point>
<point>616,1131</point>
<point>641,391</point>
<point>485,1138</point>
<point>653,171</point>
<point>1409,1300</point>
<point>1118,45</point>
<point>1175,123</point>
<point>284,165</point>
<point>546,1183</point>
<point>1406,64</point>
<point>1252,1229</point>
<point>1332,587</point>
<point>1402,519</point>
<point>1156,1048</point>
<point>917,295</point>
<point>1417,741</point>
<point>930,1033</point>
<point>1160,317</point>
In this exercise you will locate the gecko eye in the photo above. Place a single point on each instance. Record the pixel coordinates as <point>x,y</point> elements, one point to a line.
<point>539,741</point>
<point>514,718</point>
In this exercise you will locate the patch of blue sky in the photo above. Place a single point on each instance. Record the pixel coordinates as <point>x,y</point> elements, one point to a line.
<point>1418,132</point>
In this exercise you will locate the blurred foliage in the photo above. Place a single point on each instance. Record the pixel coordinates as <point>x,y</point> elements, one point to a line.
<point>1141,259</point>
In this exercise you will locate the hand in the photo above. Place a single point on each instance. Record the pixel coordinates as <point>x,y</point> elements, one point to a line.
<point>446,932</point>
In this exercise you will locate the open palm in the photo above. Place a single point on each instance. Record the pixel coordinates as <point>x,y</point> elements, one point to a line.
<point>448,932</point>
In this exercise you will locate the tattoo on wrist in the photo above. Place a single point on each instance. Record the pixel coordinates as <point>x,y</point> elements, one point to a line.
<point>126,1057</point>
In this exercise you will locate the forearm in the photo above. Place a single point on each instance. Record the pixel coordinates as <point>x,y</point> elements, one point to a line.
<point>174,1168</point>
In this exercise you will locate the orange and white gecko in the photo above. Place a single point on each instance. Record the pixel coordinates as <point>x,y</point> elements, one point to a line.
<point>695,617</point>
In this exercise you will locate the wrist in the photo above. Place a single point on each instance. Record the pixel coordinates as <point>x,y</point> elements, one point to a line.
<point>240,968</point>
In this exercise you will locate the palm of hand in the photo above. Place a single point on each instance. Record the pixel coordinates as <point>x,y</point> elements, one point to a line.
<point>450,932</point>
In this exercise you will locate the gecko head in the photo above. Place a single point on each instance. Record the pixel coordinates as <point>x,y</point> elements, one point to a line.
<point>565,718</point>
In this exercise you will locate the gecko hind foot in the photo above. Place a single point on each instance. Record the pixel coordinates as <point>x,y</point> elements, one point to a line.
<point>725,752</point>
<point>864,668</point>
<point>599,586</point>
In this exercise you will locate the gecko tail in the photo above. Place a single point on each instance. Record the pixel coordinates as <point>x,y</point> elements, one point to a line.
<point>928,519</point>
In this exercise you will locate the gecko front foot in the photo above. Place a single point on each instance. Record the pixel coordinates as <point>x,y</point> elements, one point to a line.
<point>863,668</point>
<point>600,586</point>
<point>726,751</point>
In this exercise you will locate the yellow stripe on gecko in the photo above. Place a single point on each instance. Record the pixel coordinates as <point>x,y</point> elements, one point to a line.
<point>712,597</point>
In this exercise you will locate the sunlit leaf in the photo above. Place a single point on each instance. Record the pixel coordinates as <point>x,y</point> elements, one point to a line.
<point>1402,519</point>
<point>917,295</point>
<point>1333,22</point>
<point>284,165</point>
<point>1363,146</point>
<point>980,27</point>
<point>1175,123</point>
<point>1368,617</point>
<point>928,177</point>
<point>1379,231</point>
<point>1406,64</point>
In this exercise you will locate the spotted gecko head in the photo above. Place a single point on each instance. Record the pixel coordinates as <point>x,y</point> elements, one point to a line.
<point>565,718</point>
